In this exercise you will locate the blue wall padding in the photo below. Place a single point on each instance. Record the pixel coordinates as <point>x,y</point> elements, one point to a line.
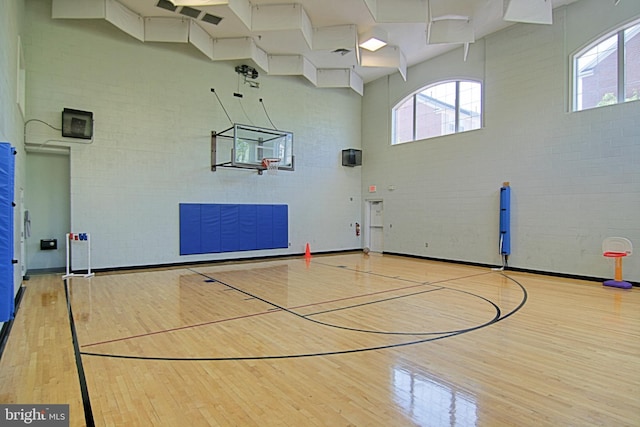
<point>210,228</point>
<point>505,220</point>
<point>280,226</point>
<point>264,240</point>
<point>7,169</point>
<point>214,228</point>
<point>229,228</point>
<point>248,227</point>
<point>190,226</point>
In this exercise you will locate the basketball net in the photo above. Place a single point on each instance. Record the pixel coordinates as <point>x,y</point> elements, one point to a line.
<point>271,165</point>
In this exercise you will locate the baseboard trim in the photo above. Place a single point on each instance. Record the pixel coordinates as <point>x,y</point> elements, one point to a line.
<point>508,268</point>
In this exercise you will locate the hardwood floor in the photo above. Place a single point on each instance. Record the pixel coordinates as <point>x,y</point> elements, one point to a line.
<point>343,340</point>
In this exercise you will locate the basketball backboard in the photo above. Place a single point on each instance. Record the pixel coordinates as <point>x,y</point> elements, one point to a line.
<point>245,147</point>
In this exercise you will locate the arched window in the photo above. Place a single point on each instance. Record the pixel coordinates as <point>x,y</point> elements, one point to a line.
<point>608,71</point>
<point>440,109</point>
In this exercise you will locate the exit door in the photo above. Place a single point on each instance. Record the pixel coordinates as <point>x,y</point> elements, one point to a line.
<point>375,229</point>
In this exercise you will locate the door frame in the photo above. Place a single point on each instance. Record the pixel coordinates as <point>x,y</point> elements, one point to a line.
<point>23,234</point>
<point>367,220</point>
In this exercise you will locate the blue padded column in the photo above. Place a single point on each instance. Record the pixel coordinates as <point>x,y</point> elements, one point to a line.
<point>7,169</point>
<point>505,219</point>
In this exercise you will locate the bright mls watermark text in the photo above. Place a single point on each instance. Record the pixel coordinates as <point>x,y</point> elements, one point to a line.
<point>34,415</point>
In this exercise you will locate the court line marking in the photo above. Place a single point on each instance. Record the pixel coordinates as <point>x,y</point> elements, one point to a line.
<point>277,308</point>
<point>331,325</point>
<point>228,288</point>
<point>497,309</point>
<point>180,328</point>
<point>347,307</point>
<point>329,353</point>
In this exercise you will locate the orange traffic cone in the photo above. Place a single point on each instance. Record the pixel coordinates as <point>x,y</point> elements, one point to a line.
<point>307,253</point>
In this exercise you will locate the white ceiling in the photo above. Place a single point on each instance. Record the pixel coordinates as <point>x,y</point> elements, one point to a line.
<point>302,36</point>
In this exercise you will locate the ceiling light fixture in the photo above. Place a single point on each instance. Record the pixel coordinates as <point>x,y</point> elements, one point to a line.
<point>373,39</point>
<point>199,2</point>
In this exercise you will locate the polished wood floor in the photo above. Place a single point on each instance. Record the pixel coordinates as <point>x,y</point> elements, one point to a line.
<point>344,340</point>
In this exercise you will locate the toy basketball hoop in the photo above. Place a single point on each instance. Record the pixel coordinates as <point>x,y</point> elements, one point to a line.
<point>270,164</point>
<point>617,248</point>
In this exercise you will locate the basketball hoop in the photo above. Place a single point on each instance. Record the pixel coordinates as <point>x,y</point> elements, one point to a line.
<point>271,165</point>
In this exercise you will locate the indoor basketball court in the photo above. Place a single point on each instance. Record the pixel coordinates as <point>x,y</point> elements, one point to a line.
<point>340,213</point>
<point>346,339</point>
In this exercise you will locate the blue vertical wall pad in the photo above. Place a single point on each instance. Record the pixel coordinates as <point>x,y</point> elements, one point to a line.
<point>505,220</point>
<point>214,228</point>
<point>7,169</point>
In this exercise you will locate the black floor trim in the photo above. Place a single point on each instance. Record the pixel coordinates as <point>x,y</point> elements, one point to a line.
<point>508,268</point>
<point>86,402</point>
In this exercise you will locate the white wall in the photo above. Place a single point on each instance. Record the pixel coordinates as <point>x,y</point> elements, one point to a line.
<point>575,177</point>
<point>11,121</point>
<point>154,112</point>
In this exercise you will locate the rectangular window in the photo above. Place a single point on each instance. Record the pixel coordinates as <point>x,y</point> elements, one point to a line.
<point>436,111</point>
<point>404,122</point>
<point>470,107</point>
<point>597,72</point>
<point>608,71</point>
<point>632,63</point>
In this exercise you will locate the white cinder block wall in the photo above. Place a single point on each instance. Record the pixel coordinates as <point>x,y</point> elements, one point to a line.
<point>154,112</point>
<point>575,177</point>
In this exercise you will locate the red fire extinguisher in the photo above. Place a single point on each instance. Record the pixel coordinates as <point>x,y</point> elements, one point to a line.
<point>357,229</point>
